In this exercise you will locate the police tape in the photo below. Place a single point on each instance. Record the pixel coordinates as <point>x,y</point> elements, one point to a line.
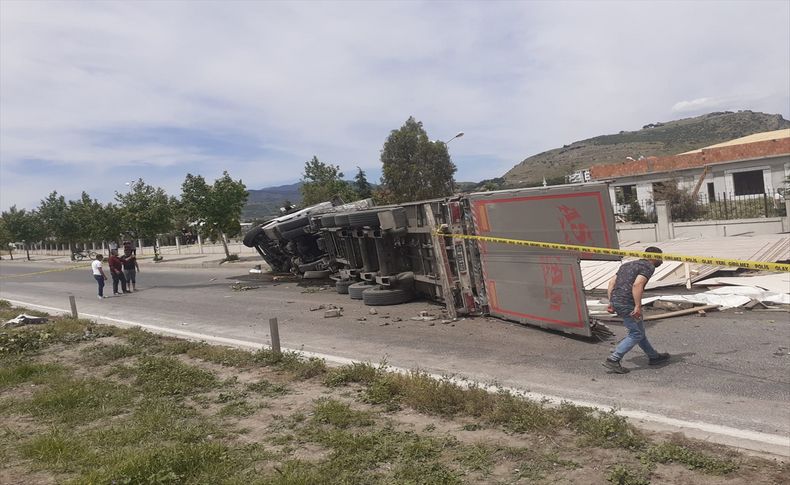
<point>758,265</point>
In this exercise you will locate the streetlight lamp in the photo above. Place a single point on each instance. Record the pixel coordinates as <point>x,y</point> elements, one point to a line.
<point>457,135</point>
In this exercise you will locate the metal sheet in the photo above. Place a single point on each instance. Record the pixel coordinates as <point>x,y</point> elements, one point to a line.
<point>546,291</point>
<point>568,214</point>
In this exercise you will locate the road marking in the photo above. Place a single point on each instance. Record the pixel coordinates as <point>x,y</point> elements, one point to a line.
<point>737,263</point>
<point>82,266</point>
<point>775,444</point>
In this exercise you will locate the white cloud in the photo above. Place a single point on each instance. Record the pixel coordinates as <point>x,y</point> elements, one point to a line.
<point>81,81</point>
<point>696,105</point>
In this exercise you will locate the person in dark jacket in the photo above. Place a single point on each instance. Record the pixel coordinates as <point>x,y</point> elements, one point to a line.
<point>116,271</point>
<point>625,299</point>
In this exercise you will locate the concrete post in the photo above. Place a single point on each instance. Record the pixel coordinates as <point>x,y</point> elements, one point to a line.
<point>274,331</point>
<point>140,245</point>
<point>663,221</point>
<point>786,224</point>
<point>178,245</point>
<point>200,244</point>
<point>73,304</point>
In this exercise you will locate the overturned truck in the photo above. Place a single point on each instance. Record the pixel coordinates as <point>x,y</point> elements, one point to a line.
<point>391,254</point>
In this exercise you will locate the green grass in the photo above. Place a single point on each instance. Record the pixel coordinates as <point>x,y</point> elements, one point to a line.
<point>695,460</point>
<point>624,475</point>
<point>79,400</point>
<point>266,388</point>
<point>15,373</point>
<point>168,376</point>
<point>104,354</point>
<point>339,414</point>
<point>161,416</point>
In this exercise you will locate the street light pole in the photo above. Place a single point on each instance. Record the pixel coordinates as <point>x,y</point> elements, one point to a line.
<point>458,135</point>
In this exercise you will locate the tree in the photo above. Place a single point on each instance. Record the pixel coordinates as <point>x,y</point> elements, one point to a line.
<point>414,167</point>
<point>144,211</point>
<point>99,222</point>
<point>216,209</point>
<point>361,185</point>
<point>23,226</point>
<point>321,182</point>
<point>5,239</point>
<point>58,221</point>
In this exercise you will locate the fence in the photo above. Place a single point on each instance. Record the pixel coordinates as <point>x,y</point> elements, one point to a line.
<point>725,206</point>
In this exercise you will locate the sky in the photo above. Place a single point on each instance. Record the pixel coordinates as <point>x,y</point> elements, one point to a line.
<point>96,94</point>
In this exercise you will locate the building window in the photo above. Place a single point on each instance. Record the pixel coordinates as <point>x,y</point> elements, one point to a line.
<point>747,183</point>
<point>711,192</point>
<point>625,194</point>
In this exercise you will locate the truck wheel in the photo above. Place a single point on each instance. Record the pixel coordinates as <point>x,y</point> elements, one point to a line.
<point>316,275</point>
<point>386,296</point>
<point>342,286</point>
<point>355,290</point>
<point>364,218</point>
<point>252,235</point>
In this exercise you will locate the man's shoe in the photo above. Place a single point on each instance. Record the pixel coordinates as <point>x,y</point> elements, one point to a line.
<point>615,367</point>
<point>127,291</point>
<point>659,360</point>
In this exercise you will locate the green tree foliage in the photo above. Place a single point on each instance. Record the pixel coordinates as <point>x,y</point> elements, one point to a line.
<point>321,182</point>
<point>96,221</point>
<point>58,220</point>
<point>361,185</point>
<point>414,167</point>
<point>24,226</point>
<point>144,211</point>
<point>5,239</point>
<point>214,209</point>
<point>682,205</point>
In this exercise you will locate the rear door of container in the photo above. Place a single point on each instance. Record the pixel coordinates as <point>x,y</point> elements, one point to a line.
<point>534,285</point>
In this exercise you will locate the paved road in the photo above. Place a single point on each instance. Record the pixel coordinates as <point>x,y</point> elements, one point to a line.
<point>729,369</point>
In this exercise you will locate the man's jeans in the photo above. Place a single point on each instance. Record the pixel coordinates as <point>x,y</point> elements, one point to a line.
<point>636,335</point>
<point>100,281</point>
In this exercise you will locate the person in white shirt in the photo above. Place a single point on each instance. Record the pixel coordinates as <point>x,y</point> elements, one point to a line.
<point>98,274</point>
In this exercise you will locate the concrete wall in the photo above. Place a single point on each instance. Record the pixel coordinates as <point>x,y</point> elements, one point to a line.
<point>702,229</point>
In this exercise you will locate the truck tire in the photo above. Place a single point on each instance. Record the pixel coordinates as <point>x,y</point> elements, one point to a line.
<point>316,275</point>
<point>355,290</point>
<point>292,234</point>
<point>252,235</point>
<point>364,218</point>
<point>386,296</point>
<point>328,220</point>
<point>341,220</point>
<point>293,224</point>
<point>342,286</point>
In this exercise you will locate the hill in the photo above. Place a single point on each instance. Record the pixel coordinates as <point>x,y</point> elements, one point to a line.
<point>654,139</point>
<point>266,202</point>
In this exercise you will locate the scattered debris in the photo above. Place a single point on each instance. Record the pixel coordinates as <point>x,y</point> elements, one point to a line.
<point>423,318</point>
<point>316,308</point>
<point>672,306</point>
<point>239,286</point>
<point>333,313</point>
<point>445,322</point>
<point>184,323</point>
<point>397,319</point>
<point>362,319</point>
<point>25,319</point>
<point>373,311</point>
<point>384,324</point>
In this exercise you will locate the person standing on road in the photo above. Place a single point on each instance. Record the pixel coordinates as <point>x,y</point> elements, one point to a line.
<point>625,299</point>
<point>130,269</point>
<point>116,271</point>
<point>98,274</point>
